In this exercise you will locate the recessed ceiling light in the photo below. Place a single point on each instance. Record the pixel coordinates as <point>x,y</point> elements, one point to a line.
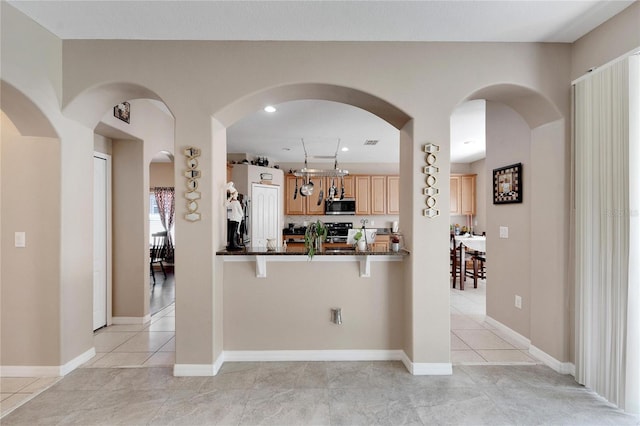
<point>345,149</point>
<point>270,108</point>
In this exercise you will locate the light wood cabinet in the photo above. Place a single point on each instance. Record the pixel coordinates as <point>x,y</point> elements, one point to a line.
<point>393,194</point>
<point>462,199</point>
<point>312,201</point>
<point>378,194</point>
<point>291,206</point>
<point>349,186</point>
<point>362,190</point>
<point>381,243</point>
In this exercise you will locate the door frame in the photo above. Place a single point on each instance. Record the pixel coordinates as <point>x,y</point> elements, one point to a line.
<point>109,241</point>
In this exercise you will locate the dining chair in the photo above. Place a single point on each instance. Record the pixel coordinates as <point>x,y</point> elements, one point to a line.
<point>156,254</point>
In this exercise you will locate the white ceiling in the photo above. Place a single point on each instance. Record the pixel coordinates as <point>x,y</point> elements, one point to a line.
<point>321,123</point>
<point>516,20</point>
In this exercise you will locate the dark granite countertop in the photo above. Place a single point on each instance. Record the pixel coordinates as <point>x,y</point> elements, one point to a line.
<point>297,251</point>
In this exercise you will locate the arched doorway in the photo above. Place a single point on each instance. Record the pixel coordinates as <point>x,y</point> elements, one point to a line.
<point>523,271</point>
<point>131,141</point>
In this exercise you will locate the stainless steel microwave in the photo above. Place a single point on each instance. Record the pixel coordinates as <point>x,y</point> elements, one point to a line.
<point>345,206</point>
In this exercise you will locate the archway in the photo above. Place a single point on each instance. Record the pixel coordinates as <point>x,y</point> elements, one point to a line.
<point>528,265</point>
<point>132,144</point>
<point>232,113</point>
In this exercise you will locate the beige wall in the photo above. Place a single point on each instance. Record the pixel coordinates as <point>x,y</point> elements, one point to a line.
<point>425,80</point>
<point>277,313</point>
<point>30,308</point>
<point>616,37</point>
<point>161,175</point>
<point>509,260</point>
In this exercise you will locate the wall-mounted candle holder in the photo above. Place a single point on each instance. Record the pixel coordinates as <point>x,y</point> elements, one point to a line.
<point>430,170</point>
<point>192,175</point>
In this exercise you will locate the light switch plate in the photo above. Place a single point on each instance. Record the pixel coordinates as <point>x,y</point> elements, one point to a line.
<point>20,239</point>
<point>504,232</point>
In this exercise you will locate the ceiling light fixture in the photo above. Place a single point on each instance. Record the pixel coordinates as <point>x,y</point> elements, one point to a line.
<point>270,108</point>
<point>344,149</point>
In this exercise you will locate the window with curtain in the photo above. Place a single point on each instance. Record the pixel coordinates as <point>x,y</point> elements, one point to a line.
<point>162,216</point>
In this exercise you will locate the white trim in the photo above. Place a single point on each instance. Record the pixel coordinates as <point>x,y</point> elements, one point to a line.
<point>316,355</point>
<point>548,360</point>
<point>427,368</point>
<point>597,69</point>
<point>217,365</point>
<point>194,370</point>
<point>514,335</point>
<point>131,320</point>
<point>109,267</point>
<point>46,371</point>
<point>551,362</point>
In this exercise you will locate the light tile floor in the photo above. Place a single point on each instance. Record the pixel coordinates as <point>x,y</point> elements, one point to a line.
<point>148,345</point>
<point>102,391</point>
<point>117,346</point>
<point>473,339</point>
<point>320,393</point>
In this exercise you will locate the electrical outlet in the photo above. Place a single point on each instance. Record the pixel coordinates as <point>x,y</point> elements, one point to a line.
<point>504,232</point>
<point>518,302</point>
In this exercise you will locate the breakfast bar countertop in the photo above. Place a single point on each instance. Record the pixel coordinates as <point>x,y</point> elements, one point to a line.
<point>300,251</point>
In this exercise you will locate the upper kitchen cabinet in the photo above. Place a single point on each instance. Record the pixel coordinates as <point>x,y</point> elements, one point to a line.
<point>294,203</point>
<point>378,194</point>
<point>349,187</point>
<point>302,205</point>
<point>393,194</point>
<point>463,194</point>
<point>363,198</point>
<point>319,184</point>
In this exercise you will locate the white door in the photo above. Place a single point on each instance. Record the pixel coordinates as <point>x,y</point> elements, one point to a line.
<point>99,242</point>
<point>265,214</point>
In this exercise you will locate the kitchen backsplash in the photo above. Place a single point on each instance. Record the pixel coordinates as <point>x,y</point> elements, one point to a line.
<point>377,221</point>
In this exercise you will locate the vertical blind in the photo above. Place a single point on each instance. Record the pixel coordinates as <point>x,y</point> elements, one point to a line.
<point>602,196</point>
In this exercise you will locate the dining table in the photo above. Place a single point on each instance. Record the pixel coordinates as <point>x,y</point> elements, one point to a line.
<point>471,242</point>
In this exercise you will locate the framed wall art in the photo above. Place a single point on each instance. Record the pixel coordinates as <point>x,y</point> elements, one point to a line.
<point>122,111</point>
<point>507,184</point>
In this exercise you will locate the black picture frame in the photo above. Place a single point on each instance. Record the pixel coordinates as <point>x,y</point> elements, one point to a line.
<point>507,184</point>
<point>122,111</point>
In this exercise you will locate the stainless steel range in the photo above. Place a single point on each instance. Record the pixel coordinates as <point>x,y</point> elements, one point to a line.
<point>337,231</point>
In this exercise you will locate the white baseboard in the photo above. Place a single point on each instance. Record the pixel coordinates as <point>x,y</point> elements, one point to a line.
<point>318,355</point>
<point>427,368</point>
<point>517,337</point>
<point>548,360</point>
<point>46,371</point>
<point>131,320</point>
<point>189,370</point>
<point>559,366</point>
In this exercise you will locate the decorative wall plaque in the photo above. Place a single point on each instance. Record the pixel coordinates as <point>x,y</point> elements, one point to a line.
<point>192,174</point>
<point>430,170</point>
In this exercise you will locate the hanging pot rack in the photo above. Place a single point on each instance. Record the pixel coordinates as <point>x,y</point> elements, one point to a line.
<point>307,172</point>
